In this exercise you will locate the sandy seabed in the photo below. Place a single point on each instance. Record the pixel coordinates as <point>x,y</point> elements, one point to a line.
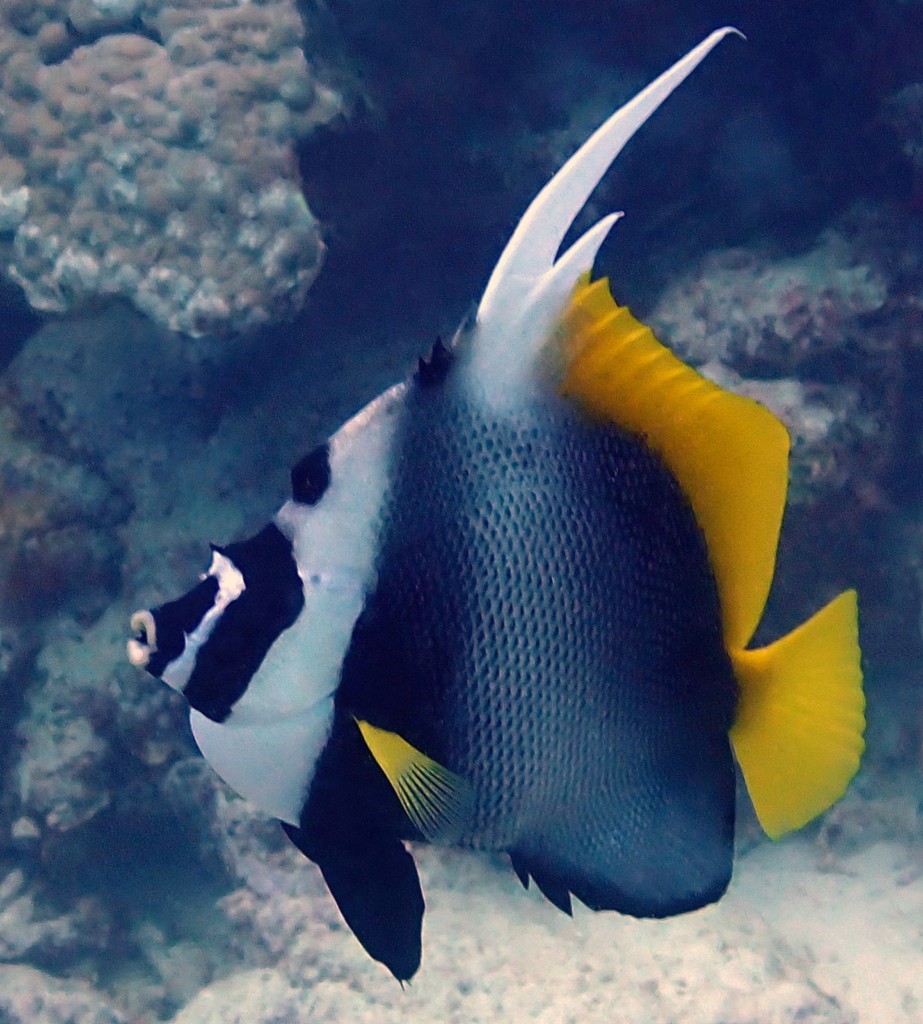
<point>791,942</point>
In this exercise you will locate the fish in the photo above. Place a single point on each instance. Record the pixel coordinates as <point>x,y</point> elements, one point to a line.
<point>509,607</point>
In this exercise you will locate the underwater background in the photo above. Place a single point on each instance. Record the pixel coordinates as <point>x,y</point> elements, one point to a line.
<point>224,227</point>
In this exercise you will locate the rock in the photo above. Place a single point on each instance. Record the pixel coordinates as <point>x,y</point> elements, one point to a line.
<point>60,778</point>
<point>30,929</point>
<point>771,328</point>
<point>493,951</point>
<point>252,847</point>
<point>90,17</point>
<point>87,701</point>
<point>28,996</point>
<point>251,997</point>
<point>129,162</point>
<point>57,520</point>
<point>755,313</point>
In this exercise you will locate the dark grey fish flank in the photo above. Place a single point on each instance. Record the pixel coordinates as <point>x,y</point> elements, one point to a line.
<point>550,564</point>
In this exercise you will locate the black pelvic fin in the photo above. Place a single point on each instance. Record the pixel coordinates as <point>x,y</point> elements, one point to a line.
<point>434,370</point>
<point>376,886</point>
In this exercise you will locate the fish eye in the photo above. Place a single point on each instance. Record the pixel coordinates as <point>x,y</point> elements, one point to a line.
<point>311,476</point>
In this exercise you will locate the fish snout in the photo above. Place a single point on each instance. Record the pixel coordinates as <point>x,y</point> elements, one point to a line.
<point>143,643</point>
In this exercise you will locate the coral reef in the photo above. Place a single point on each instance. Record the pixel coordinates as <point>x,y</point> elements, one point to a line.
<point>493,951</point>
<point>771,328</point>
<point>829,339</point>
<point>79,723</point>
<point>158,469</point>
<point>28,930</point>
<point>146,152</point>
<point>774,317</point>
<point>28,996</point>
<point>95,750</point>
<point>57,530</point>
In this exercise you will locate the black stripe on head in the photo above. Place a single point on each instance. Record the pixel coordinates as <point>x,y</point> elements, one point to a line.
<point>176,618</point>
<point>311,476</point>
<point>249,625</point>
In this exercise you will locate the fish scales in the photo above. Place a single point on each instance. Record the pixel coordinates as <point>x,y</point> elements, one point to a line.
<point>540,558</point>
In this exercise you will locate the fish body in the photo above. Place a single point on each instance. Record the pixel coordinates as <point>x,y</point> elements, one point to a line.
<point>535,559</point>
<point>508,607</point>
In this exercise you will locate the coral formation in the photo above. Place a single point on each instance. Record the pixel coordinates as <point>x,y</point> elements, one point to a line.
<point>57,541</point>
<point>146,152</point>
<point>28,996</point>
<point>26,930</point>
<point>94,749</point>
<point>770,328</point>
<point>773,316</point>
<point>828,338</point>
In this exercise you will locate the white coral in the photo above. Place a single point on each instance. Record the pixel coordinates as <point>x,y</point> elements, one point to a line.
<point>163,173</point>
<point>14,205</point>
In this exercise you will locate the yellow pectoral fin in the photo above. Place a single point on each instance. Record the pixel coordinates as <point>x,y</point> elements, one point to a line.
<point>728,453</point>
<point>798,736</point>
<point>436,800</point>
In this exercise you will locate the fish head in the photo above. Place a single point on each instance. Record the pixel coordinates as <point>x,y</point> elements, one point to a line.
<point>209,643</point>
<point>257,644</point>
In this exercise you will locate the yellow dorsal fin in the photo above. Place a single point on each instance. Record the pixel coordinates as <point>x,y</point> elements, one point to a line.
<point>728,453</point>
<point>801,717</point>
<point>436,800</point>
<point>800,720</point>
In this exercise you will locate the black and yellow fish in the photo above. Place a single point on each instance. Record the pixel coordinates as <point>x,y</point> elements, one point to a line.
<point>508,607</point>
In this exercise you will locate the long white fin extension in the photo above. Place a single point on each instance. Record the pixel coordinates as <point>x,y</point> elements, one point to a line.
<point>528,287</point>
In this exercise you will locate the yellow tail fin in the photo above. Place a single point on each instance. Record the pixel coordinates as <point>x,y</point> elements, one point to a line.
<point>801,717</point>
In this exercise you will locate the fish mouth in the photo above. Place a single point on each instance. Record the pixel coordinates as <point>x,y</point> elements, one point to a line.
<point>159,635</point>
<point>144,641</point>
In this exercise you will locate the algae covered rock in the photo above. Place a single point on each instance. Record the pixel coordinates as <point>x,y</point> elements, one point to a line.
<point>29,996</point>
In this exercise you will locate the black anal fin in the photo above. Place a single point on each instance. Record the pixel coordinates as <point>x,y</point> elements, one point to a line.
<point>551,887</point>
<point>522,872</point>
<point>554,891</point>
<point>376,886</point>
